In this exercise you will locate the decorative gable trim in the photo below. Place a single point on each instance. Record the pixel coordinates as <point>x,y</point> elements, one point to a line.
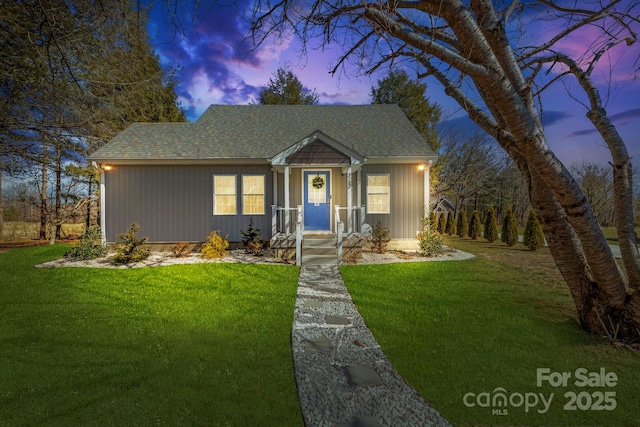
<point>316,144</point>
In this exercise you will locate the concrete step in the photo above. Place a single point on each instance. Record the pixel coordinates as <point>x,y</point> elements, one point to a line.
<point>320,250</point>
<point>314,242</point>
<point>310,259</point>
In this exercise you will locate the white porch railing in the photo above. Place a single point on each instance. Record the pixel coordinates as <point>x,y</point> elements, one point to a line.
<point>353,218</point>
<point>286,222</point>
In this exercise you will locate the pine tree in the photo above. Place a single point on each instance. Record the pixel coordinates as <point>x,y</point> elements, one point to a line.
<point>474,226</point>
<point>285,89</point>
<point>442,223</point>
<point>490,226</point>
<point>463,225</point>
<point>451,224</point>
<point>509,228</point>
<point>409,95</point>
<point>533,235</point>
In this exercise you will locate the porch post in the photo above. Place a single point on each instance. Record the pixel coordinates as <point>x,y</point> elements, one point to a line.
<point>349,201</point>
<point>427,184</point>
<point>286,198</point>
<point>275,187</point>
<point>359,187</point>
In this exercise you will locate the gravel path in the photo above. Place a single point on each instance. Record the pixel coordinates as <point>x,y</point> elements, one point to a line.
<point>343,377</point>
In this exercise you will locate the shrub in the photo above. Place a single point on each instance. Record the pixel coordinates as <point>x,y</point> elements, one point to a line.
<point>433,218</point>
<point>442,223</point>
<point>379,238</point>
<point>463,225</point>
<point>451,224</point>
<point>509,228</point>
<point>90,245</point>
<point>129,249</point>
<point>491,226</point>
<point>533,235</point>
<point>474,226</point>
<point>252,239</point>
<point>181,249</point>
<point>430,242</point>
<point>215,247</point>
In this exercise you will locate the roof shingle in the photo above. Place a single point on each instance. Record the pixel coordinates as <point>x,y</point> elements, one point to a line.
<point>262,131</point>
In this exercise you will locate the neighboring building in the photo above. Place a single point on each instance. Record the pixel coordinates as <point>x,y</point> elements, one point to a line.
<point>444,205</point>
<point>273,163</point>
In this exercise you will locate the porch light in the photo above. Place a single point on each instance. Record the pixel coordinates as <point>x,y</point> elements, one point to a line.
<point>107,167</point>
<point>421,167</point>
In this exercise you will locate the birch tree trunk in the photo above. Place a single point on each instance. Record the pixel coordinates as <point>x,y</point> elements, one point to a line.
<point>466,46</point>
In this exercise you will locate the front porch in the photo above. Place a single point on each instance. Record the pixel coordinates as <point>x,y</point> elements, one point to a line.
<point>317,247</point>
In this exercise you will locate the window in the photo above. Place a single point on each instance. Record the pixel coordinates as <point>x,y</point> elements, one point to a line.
<point>378,198</point>
<point>224,194</point>
<point>253,194</point>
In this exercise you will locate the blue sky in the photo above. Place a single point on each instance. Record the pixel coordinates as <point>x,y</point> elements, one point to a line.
<point>218,65</point>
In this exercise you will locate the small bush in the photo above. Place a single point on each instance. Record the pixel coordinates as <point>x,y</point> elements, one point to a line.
<point>430,242</point>
<point>474,226</point>
<point>215,247</point>
<point>463,225</point>
<point>181,249</point>
<point>491,226</point>
<point>129,249</point>
<point>379,238</point>
<point>252,239</point>
<point>509,228</point>
<point>451,224</point>
<point>533,235</point>
<point>90,245</point>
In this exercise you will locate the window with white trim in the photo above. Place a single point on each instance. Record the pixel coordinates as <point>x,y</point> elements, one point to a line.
<point>378,194</point>
<point>253,194</point>
<point>224,195</point>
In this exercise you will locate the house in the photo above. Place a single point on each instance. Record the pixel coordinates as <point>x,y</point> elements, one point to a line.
<point>444,206</point>
<point>307,168</point>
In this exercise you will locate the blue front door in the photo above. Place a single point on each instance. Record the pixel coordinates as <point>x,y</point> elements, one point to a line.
<point>317,200</point>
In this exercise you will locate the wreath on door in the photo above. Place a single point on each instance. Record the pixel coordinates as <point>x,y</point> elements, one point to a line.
<point>318,182</point>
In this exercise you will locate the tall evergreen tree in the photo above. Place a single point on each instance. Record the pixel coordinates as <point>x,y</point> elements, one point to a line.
<point>474,225</point>
<point>533,235</point>
<point>442,222</point>
<point>451,224</point>
<point>285,89</point>
<point>509,228</point>
<point>491,226</point>
<point>462,225</point>
<point>398,88</point>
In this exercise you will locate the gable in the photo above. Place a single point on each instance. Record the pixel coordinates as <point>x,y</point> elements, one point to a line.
<point>318,152</point>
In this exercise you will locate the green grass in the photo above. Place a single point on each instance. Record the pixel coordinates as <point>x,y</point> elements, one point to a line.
<point>611,234</point>
<point>188,345</point>
<point>459,327</point>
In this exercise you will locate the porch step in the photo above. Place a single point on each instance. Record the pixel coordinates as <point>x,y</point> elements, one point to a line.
<point>319,250</point>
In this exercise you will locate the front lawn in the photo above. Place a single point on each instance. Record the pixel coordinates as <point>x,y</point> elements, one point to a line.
<point>474,331</point>
<point>189,345</point>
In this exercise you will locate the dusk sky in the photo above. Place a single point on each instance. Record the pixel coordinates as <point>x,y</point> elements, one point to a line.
<point>218,65</point>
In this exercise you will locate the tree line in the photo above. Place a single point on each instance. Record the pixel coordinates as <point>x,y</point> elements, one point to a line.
<point>73,75</point>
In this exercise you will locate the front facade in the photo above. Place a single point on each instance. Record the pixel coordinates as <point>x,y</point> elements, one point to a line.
<point>323,167</point>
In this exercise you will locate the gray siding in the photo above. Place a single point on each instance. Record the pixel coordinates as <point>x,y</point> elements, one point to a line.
<point>407,193</point>
<point>175,203</point>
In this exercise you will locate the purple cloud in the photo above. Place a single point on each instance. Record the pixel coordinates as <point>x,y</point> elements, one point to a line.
<point>622,118</point>
<point>205,46</point>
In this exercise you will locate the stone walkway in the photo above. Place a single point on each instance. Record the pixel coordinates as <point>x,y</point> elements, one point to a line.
<point>342,375</point>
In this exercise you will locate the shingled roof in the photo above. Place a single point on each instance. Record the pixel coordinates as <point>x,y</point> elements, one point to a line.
<point>259,132</point>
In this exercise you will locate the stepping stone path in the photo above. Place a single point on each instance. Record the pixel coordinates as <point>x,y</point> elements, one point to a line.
<point>343,377</point>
